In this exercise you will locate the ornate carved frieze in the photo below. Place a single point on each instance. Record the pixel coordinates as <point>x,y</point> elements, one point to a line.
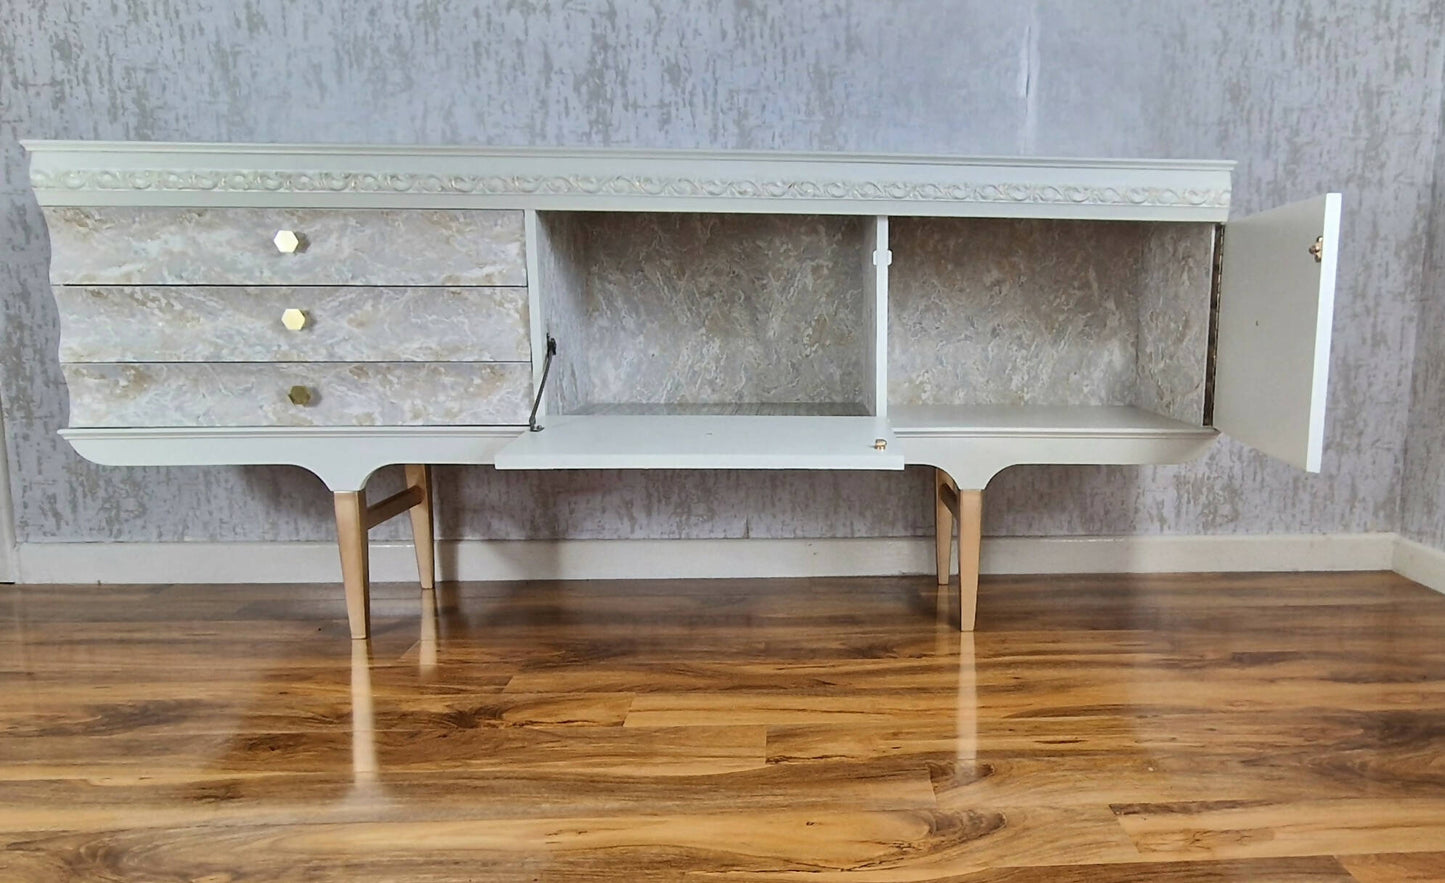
<point>268,181</point>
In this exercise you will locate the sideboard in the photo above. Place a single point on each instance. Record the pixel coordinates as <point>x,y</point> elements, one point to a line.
<point>342,308</point>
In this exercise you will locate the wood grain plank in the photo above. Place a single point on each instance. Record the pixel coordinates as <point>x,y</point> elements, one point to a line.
<point>828,845</point>
<point>1418,867</point>
<point>1151,777</point>
<point>142,796</point>
<point>651,751</point>
<point>1316,869</point>
<point>1366,745</point>
<point>677,709</point>
<point>273,709</point>
<point>1257,829</point>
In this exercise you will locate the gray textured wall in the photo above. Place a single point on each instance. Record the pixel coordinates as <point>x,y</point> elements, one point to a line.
<point>1307,96</point>
<point>1423,509</point>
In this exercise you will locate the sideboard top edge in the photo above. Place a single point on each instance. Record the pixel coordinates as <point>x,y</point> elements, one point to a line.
<point>257,149</point>
<point>79,173</point>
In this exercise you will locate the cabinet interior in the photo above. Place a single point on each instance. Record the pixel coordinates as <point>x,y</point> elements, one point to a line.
<point>706,313</point>
<point>1005,312</point>
<point>759,314</point>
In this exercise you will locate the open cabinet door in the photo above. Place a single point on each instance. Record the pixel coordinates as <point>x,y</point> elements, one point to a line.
<point>1276,306</point>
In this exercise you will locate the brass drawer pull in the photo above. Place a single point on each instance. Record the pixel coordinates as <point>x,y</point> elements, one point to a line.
<point>289,241</point>
<point>294,319</point>
<point>299,395</point>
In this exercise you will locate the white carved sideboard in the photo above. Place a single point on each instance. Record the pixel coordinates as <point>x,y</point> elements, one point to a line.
<point>344,308</point>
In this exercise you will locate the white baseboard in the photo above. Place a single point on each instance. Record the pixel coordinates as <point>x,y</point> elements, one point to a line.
<point>1421,563</point>
<point>1188,554</point>
<point>119,563</point>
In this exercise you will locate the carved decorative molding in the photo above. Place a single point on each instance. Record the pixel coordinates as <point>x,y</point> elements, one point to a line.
<point>243,181</point>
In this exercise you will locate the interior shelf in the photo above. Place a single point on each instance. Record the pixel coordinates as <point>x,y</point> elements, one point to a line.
<point>1039,421</point>
<point>686,441</point>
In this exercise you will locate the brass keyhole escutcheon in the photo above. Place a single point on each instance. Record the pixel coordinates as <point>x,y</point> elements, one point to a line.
<point>294,319</point>
<point>299,395</point>
<point>1317,251</point>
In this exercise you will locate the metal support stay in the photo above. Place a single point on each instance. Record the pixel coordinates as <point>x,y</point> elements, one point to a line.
<point>532,423</point>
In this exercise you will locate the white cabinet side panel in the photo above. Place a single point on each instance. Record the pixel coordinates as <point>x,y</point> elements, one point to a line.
<point>537,324</point>
<point>1275,315</point>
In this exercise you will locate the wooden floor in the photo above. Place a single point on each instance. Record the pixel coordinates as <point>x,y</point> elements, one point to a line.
<point>1181,728</point>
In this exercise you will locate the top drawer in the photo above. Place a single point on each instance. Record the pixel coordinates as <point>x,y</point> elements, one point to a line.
<point>117,245</point>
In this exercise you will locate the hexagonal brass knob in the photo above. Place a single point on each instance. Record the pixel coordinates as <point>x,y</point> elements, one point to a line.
<point>299,395</point>
<point>294,319</point>
<point>289,241</point>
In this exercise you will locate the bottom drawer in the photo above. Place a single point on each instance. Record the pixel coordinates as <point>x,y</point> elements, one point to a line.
<point>325,394</point>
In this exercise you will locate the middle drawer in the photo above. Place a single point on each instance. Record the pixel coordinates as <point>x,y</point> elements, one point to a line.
<point>126,323</point>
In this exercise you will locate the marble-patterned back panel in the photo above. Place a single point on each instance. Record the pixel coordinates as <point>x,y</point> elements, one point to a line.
<point>874,392</point>
<point>117,245</point>
<point>1007,312</point>
<point>986,311</point>
<point>1174,281</point>
<point>173,323</point>
<point>700,309</point>
<point>247,394</point>
<point>562,285</point>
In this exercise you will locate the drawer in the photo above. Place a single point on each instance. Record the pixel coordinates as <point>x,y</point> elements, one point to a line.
<point>243,394</point>
<point>126,323</point>
<point>116,245</point>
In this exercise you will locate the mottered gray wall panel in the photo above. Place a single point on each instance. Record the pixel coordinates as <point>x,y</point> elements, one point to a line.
<point>1305,95</point>
<point>1423,506</point>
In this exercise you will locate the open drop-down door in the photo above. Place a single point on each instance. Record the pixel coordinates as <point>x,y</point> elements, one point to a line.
<point>1276,306</point>
<point>679,441</point>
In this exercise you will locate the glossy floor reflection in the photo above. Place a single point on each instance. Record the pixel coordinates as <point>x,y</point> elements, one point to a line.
<point>1199,728</point>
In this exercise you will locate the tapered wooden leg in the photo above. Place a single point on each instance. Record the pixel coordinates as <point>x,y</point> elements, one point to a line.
<point>970,537</point>
<point>421,525</point>
<point>942,524</point>
<point>351,529</point>
<point>427,646</point>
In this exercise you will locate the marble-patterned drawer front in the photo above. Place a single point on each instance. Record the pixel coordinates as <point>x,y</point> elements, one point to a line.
<point>243,394</point>
<point>124,323</point>
<point>116,245</point>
